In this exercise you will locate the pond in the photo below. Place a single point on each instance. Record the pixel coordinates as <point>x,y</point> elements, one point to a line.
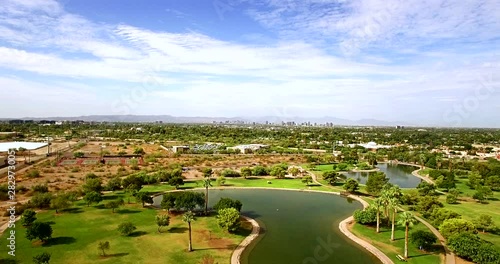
<point>397,174</point>
<point>300,227</point>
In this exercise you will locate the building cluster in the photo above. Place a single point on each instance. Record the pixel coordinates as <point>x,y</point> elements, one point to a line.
<point>46,122</point>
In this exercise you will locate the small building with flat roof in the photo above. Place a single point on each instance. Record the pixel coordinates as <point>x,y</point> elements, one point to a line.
<point>180,149</point>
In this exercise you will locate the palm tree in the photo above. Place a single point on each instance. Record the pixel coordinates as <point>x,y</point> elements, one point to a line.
<point>393,204</point>
<point>407,220</point>
<point>422,160</point>
<point>188,218</point>
<point>439,159</point>
<point>206,183</point>
<point>378,204</point>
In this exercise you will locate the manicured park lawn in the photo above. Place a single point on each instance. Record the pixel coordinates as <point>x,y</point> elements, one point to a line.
<point>391,249</point>
<point>78,231</point>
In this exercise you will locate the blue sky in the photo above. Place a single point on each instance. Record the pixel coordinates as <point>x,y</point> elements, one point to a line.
<point>434,62</point>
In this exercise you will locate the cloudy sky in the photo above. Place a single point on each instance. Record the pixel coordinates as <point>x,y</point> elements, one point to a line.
<point>433,62</point>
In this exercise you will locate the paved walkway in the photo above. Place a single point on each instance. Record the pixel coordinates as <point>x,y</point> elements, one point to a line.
<point>235,258</point>
<point>450,257</point>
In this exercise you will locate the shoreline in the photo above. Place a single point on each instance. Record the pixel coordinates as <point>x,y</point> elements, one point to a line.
<point>235,258</point>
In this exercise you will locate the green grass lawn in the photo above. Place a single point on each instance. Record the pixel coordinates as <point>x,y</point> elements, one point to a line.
<point>391,249</point>
<point>78,231</point>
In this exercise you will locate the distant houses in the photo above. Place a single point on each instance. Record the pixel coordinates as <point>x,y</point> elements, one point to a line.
<point>249,148</point>
<point>180,149</point>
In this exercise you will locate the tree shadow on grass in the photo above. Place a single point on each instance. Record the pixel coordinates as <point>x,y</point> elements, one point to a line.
<point>127,211</point>
<point>228,247</point>
<point>59,241</point>
<point>185,188</point>
<point>118,255</point>
<point>178,230</point>
<point>138,234</point>
<point>51,222</point>
<point>9,261</point>
<point>76,210</point>
<point>110,197</point>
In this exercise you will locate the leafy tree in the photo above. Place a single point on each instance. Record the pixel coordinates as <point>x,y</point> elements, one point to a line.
<point>294,171</point>
<point>259,171</point>
<point>439,215</point>
<point>139,151</point>
<point>189,201</point>
<point>115,204</point>
<point>144,198</point>
<point>454,226</point>
<point>407,220</point>
<point>168,201</point>
<point>162,221</point>
<point>452,197</point>
<point>39,230</point>
<point>229,219</point>
<point>474,180</point>
<point>60,202</point>
<point>28,217</point>
<point>278,172</point>
<point>423,239</point>
<point>487,253</point>
<point>246,172</point>
<point>484,222</point>
<point>426,204</point>
<point>351,185</point>
<point>42,258</point>
<point>424,188</point>
<point>221,180</point>
<point>225,203</point>
<point>307,180</point>
<point>126,228</point>
<point>92,197</point>
<point>207,172</point>
<point>114,184</point>
<point>482,193</point>
<point>102,247</point>
<point>176,181</point>
<point>41,200</point>
<point>464,244</point>
<point>366,217</point>
<point>40,188</point>
<point>493,182</point>
<point>189,218</point>
<point>331,177</point>
<point>376,182</point>
<point>229,173</point>
<point>92,185</point>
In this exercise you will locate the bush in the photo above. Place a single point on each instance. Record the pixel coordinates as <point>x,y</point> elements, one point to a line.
<point>455,226</point>
<point>228,173</point>
<point>260,171</point>
<point>471,247</point>
<point>39,230</point>
<point>40,200</point>
<point>28,217</point>
<point>439,215</point>
<point>33,174</point>
<point>229,219</point>
<point>40,188</point>
<point>423,239</point>
<point>366,217</point>
<point>126,229</point>
<point>225,203</point>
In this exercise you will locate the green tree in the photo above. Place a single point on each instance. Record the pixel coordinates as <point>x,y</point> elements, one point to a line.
<point>229,219</point>
<point>168,201</point>
<point>484,222</point>
<point>452,197</point>
<point>246,172</point>
<point>351,185</point>
<point>439,215</point>
<point>162,221</point>
<point>221,180</point>
<point>114,184</point>
<point>454,226</point>
<point>28,217</point>
<point>332,177</point>
<point>225,203</point>
<point>144,198</point>
<point>423,239</point>
<point>425,188</point>
<point>42,258</point>
<point>176,181</point>
<point>207,172</point>
<point>189,201</point>
<point>39,230</point>
<point>307,180</point>
<point>60,202</point>
<point>407,220</point>
<point>115,204</point>
<point>376,182</point>
<point>365,217</point>
<point>102,247</point>
<point>92,185</point>
<point>482,193</point>
<point>259,171</point>
<point>92,197</point>
<point>126,228</point>
<point>189,218</point>
<point>294,171</point>
<point>278,172</point>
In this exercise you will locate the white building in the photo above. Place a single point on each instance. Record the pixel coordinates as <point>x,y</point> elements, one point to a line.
<point>370,145</point>
<point>249,148</point>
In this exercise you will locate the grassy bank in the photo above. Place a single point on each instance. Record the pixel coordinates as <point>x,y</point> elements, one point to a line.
<point>391,249</point>
<point>78,231</point>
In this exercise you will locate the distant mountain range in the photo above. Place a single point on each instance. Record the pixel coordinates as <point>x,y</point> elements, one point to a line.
<point>206,120</point>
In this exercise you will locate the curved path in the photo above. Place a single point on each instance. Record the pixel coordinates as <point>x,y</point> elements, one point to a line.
<point>235,258</point>
<point>450,257</point>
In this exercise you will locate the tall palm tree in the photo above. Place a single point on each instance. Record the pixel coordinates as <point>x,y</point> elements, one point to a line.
<point>407,220</point>
<point>188,218</point>
<point>206,183</point>
<point>422,160</point>
<point>378,204</point>
<point>393,204</point>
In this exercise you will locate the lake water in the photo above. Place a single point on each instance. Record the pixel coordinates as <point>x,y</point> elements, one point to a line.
<point>300,227</point>
<point>397,174</point>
